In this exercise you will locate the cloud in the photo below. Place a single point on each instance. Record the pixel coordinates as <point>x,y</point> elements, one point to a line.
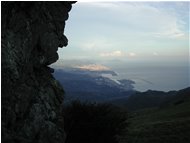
<point>95,44</point>
<point>155,53</point>
<point>93,67</point>
<point>144,17</point>
<point>89,45</point>
<point>113,29</point>
<point>118,54</point>
<point>132,54</point>
<point>112,54</point>
<point>171,30</point>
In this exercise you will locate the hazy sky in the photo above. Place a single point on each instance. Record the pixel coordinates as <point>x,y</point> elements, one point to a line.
<point>128,31</point>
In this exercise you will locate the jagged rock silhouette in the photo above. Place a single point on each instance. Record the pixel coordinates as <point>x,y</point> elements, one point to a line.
<point>31,98</point>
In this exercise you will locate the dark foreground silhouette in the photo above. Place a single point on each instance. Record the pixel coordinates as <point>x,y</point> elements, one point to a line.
<point>94,123</point>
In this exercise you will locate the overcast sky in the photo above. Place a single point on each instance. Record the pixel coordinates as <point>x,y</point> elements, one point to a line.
<point>128,30</point>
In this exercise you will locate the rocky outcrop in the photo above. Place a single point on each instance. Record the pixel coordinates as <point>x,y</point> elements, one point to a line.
<point>31,98</point>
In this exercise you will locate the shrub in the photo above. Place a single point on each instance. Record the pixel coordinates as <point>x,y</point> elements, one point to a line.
<point>93,123</point>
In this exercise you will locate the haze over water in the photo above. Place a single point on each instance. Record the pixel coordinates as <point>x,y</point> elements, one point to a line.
<point>154,77</point>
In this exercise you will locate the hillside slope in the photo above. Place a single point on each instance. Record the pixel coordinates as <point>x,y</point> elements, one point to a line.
<point>91,86</point>
<point>165,124</point>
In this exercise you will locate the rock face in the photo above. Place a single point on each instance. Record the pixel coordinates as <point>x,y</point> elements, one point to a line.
<point>31,98</point>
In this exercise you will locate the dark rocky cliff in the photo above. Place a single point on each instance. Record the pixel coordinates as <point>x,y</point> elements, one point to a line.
<point>31,98</point>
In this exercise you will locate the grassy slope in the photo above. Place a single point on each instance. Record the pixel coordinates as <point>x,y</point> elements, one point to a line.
<point>160,125</point>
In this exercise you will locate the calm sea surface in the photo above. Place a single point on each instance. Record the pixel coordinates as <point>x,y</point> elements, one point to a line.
<point>163,78</point>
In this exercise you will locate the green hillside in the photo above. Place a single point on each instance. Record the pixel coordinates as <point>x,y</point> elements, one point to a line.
<point>169,123</point>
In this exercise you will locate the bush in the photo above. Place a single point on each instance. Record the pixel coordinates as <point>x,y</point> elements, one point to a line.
<point>93,123</point>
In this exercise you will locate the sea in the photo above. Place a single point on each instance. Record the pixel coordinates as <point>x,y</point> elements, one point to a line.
<point>153,77</point>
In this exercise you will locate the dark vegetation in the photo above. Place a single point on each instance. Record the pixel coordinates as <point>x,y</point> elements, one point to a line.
<point>153,99</point>
<point>167,122</point>
<point>154,117</point>
<point>148,99</point>
<point>94,123</point>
